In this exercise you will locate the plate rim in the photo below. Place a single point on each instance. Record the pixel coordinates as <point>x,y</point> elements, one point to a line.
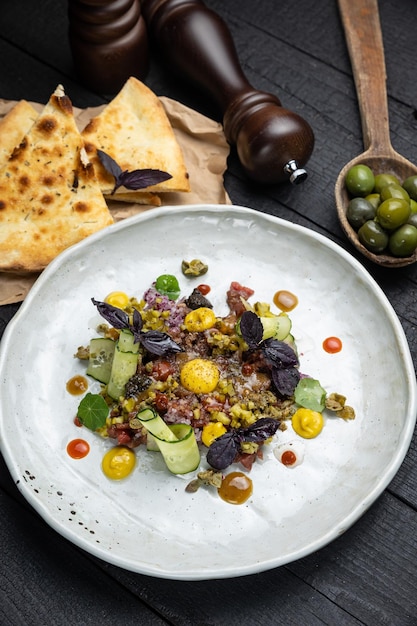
<point>356,513</point>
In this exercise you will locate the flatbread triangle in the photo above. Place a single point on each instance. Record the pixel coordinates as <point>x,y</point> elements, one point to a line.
<point>135,131</point>
<point>49,196</point>
<point>14,126</point>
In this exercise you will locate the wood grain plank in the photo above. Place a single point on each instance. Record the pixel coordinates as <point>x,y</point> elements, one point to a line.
<point>46,581</point>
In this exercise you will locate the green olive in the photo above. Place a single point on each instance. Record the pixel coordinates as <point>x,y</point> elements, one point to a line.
<point>394,191</point>
<point>393,212</point>
<point>360,180</point>
<point>410,185</point>
<point>373,236</point>
<point>381,180</point>
<point>359,211</point>
<point>374,199</point>
<point>403,241</point>
<point>413,206</point>
<point>412,219</point>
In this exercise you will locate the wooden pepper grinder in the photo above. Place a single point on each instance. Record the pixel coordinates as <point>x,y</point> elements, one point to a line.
<point>109,43</point>
<point>273,144</point>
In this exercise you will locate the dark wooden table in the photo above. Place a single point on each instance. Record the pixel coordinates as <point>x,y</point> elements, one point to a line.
<point>367,576</point>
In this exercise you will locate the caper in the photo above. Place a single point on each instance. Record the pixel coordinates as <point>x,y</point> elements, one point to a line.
<point>194,268</point>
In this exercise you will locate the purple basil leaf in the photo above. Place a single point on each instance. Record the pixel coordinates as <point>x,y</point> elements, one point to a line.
<point>261,430</point>
<point>140,179</point>
<point>285,380</point>
<point>136,179</point>
<point>158,343</point>
<point>136,327</point>
<point>251,329</point>
<point>223,450</point>
<point>115,316</point>
<point>109,164</point>
<point>280,354</point>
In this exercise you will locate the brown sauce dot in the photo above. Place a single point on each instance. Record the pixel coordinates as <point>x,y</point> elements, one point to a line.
<point>236,488</point>
<point>77,385</point>
<point>285,300</point>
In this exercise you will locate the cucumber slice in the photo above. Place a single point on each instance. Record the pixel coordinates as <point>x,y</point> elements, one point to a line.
<point>277,327</point>
<point>101,358</point>
<point>126,341</point>
<point>155,425</point>
<point>125,364</point>
<point>176,442</point>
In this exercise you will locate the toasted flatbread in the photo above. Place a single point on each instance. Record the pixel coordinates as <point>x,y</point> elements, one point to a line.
<point>135,131</point>
<point>49,196</point>
<point>14,126</point>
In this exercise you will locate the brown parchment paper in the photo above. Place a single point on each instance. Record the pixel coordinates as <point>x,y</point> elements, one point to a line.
<point>205,151</point>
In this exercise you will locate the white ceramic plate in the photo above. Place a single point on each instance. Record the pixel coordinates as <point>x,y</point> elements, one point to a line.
<point>148,523</point>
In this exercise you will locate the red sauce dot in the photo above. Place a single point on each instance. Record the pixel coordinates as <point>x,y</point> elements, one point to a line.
<point>332,345</point>
<point>77,421</point>
<point>204,289</point>
<point>285,300</point>
<point>288,457</point>
<point>78,448</point>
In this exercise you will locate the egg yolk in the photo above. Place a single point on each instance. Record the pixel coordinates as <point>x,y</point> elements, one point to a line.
<point>307,423</point>
<point>200,319</point>
<point>118,462</point>
<point>200,376</point>
<point>212,431</point>
<point>118,299</point>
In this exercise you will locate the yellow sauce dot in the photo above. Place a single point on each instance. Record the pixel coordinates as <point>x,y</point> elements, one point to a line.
<point>211,432</point>
<point>200,376</point>
<point>200,319</point>
<point>118,299</point>
<point>307,423</point>
<point>118,462</point>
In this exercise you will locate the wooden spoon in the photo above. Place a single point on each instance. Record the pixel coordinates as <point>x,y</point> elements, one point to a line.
<point>364,41</point>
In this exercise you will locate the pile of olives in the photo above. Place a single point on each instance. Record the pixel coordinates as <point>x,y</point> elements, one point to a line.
<point>383,211</point>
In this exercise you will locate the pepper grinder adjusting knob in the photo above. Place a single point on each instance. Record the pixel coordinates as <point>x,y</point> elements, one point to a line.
<point>273,144</point>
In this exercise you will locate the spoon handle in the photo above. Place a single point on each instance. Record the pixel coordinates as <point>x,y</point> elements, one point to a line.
<point>366,50</point>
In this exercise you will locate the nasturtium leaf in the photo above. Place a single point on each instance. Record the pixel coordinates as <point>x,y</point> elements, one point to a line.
<point>93,411</point>
<point>310,394</point>
<point>168,285</point>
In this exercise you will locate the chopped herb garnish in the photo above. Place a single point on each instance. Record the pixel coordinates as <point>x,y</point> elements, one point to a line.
<point>153,341</point>
<point>93,411</point>
<point>280,356</point>
<point>136,179</point>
